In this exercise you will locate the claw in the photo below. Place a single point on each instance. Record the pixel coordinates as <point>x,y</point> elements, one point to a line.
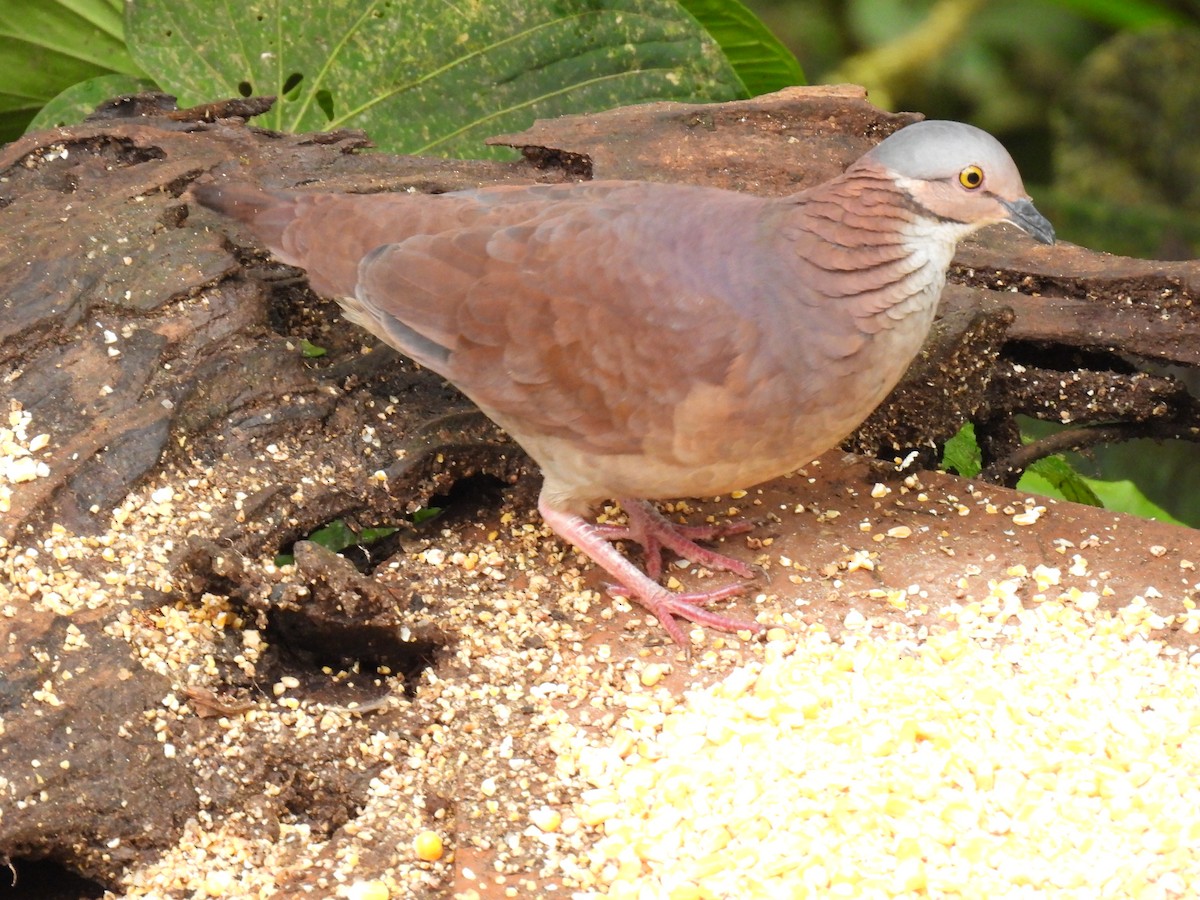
<point>690,606</point>
<point>654,532</point>
<point>650,529</point>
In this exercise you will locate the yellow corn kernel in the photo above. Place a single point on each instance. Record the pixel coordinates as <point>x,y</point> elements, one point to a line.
<point>428,846</point>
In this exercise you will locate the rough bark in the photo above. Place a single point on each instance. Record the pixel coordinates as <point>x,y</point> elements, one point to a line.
<point>160,350</point>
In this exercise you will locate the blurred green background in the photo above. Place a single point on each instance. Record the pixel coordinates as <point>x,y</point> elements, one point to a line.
<point>1098,101</point>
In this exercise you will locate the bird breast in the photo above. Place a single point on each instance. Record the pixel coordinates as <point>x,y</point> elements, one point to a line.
<point>828,363</point>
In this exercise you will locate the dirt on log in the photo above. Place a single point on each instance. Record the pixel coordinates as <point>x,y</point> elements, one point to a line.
<point>195,431</point>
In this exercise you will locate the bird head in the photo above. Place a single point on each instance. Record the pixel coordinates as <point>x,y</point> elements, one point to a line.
<point>958,173</point>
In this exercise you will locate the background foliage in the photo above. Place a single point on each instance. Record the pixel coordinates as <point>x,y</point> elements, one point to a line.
<point>1099,100</point>
<point>420,76</point>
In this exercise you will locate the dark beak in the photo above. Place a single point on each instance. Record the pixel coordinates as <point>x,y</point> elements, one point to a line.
<point>1023,214</point>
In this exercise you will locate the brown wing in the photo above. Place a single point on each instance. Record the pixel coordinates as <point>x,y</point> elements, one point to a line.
<point>625,317</point>
<point>571,318</point>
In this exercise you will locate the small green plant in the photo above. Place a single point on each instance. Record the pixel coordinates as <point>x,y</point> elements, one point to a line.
<point>426,514</point>
<point>962,455</point>
<point>338,535</point>
<point>309,350</point>
<point>1054,476</point>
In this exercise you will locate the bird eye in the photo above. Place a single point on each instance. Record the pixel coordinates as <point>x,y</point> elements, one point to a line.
<point>971,177</point>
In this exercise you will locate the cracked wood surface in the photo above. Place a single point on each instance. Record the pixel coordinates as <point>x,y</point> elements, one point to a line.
<point>157,349</point>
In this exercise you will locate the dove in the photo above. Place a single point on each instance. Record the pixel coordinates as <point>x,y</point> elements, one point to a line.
<point>649,341</point>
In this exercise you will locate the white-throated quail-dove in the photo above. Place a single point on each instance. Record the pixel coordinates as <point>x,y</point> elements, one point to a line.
<point>646,341</point>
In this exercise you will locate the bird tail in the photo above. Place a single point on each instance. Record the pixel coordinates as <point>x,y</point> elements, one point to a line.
<point>266,213</point>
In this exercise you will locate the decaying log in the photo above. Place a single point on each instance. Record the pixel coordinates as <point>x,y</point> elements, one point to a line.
<point>163,354</point>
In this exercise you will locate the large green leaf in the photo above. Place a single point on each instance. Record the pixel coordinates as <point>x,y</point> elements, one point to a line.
<point>1119,496</point>
<point>1054,477</point>
<point>428,76</point>
<point>1126,496</point>
<point>760,59</point>
<point>48,45</point>
<point>78,101</point>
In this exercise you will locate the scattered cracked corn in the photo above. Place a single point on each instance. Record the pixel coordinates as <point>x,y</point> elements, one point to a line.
<point>652,674</point>
<point>1046,576</point>
<point>546,819</point>
<point>219,883</point>
<point>961,765</point>
<point>428,846</point>
<point>860,560</point>
<point>1086,601</point>
<point>367,890</point>
<point>1029,515</point>
<point>17,464</point>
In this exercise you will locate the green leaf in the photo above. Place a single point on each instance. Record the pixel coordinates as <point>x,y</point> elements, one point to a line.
<point>428,76</point>
<point>48,45</point>
<point>760,59</point>
<point>309,350</point>
<point>1054,477</point>
<point>962,455</point>
<point>426,514</point>
<point>335,536</point>
<point>1127,497</point>
<point>369,536</point>
<point>79,101</point>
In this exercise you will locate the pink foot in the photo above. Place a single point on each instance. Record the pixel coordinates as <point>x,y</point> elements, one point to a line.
<point>648,527</point>
<point>666,606</point>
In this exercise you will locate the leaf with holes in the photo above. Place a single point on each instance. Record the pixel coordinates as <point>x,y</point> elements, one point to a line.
<point>428,76</point>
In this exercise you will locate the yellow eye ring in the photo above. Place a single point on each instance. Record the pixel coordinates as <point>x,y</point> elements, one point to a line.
<point>971,177</point>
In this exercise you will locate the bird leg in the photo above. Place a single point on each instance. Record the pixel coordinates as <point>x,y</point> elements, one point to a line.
<point>634,584</point>
<point>651,529</point>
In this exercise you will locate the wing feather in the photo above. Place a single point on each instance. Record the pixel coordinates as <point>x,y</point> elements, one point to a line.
<point>570,321</point>
<point>620,317</point>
